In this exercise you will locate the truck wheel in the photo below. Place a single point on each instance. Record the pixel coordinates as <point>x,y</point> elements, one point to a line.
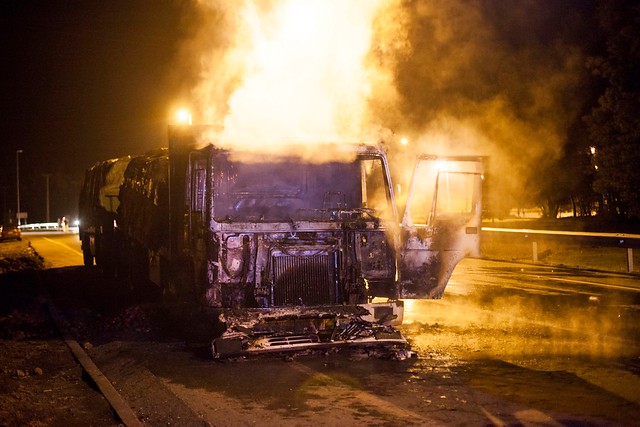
<point>180,285</point>
<point>87,257</point>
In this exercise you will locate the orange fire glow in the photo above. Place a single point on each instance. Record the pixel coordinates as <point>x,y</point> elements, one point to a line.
<point>304,73</point>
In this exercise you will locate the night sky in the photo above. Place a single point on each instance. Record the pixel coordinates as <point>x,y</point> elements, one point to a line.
<point>81,81</point>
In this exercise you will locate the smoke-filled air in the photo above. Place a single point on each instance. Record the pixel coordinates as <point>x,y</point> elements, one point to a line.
<point>488,78</point>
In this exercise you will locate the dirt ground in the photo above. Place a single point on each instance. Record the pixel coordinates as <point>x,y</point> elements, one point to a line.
<point>41,382</point>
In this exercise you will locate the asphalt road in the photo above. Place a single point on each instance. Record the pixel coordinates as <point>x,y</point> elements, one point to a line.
<point>509,344</point>
<point>58,249</point>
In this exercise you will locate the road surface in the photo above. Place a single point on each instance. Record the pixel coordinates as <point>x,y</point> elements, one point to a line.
<point>58,249</point>
<point>509,344</point>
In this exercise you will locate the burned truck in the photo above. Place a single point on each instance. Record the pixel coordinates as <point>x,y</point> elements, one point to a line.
<point>294,249</point>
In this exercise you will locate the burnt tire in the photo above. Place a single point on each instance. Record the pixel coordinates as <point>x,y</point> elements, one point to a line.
<point>87,256</point>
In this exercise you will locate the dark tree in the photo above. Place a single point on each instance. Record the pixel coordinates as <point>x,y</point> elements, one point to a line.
<point>614,124</point>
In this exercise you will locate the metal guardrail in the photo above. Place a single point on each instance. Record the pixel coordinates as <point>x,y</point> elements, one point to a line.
<point>620,240</point>
<point>45,226</point>
<point>42,226</point>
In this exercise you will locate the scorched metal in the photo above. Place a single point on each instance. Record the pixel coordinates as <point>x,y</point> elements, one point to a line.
<point>286,250</point>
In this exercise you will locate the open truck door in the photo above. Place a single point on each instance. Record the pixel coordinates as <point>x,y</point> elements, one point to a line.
<point>441,222</point>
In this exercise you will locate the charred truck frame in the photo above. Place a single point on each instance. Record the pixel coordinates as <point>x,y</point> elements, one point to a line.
<point>287,252</point>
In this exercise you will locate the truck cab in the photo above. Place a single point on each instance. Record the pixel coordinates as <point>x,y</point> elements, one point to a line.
<point>302,247</point>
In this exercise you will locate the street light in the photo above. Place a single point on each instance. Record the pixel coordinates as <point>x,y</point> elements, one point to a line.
<point>18,182</point>
<point>183,117</point>
<point>47,175</point>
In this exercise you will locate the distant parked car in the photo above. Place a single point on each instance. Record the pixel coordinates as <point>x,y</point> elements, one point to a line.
<point>10,232</point>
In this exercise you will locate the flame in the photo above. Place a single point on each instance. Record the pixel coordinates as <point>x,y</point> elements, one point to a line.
<point>304,73</point>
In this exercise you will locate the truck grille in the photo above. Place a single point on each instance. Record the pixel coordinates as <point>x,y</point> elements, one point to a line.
<point>303,279</point>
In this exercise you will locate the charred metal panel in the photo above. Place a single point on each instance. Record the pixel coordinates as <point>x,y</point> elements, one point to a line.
<point>144,207</point>
<point>425,275</point>
<point>375,254</point>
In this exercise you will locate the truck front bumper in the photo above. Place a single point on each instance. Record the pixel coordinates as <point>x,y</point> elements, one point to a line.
<point>298,329</point>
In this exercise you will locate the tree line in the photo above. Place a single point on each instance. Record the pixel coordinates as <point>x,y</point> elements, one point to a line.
<point>599,171</point>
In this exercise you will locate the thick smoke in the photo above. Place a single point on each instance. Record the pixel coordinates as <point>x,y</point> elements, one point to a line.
<point>485,77</point>
<point>493,78</point>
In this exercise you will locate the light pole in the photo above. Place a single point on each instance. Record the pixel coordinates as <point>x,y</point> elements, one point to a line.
<point>47,175</point>
<point>18,182</point>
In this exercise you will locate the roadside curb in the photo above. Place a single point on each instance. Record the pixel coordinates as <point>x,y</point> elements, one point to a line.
<point>116,401</point>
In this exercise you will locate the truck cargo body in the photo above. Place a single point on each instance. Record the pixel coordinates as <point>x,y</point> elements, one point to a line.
<point>97,207</point>
<point>290,251</point>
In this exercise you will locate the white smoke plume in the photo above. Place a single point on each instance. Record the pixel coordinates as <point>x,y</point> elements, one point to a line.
<point>453,77</point>
<point>492,78</point>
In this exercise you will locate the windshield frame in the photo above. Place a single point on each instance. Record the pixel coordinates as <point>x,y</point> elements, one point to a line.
<point>319,194</point>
